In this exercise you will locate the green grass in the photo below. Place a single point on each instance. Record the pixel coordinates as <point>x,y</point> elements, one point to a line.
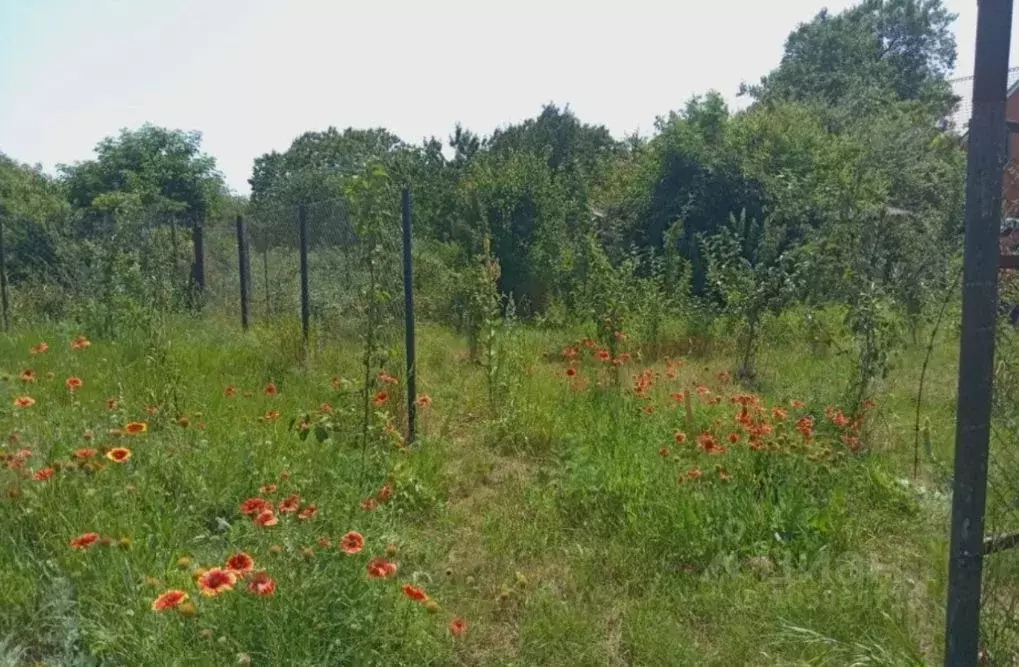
<point>549,521</point>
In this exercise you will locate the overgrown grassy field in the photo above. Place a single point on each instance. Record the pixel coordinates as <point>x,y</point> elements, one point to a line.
<point>576,512</point>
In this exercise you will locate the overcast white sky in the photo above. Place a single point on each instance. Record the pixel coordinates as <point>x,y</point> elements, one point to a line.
<point>251,75</point>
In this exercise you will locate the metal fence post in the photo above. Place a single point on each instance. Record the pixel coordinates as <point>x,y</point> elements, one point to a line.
<point>265,273</point>
<point>302,220</point>
<point>408,314</point>
<point>4,302</point>
<point>979,311</point>
<point>242,270</point>
<point>198,239</point>
<point>173,246</point>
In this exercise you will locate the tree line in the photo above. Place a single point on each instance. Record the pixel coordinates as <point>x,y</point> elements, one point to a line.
<point>838,183</point>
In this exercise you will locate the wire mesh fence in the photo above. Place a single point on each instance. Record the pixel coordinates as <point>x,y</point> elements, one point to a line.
<point>982,590</point>
<point>1000,598</point>
<point>348,273</point>
<point>962,87</point>
<point>318,266</point>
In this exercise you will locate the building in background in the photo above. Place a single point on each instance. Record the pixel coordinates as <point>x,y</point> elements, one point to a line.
<point>959,123</point>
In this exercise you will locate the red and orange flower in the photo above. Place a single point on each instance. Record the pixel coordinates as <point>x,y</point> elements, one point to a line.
<point>84,541</point>
<point>415,593</point>
<point>80,343</point>
<point>266,518</point>
<point>709,444</point>
<point>380,568</point>
<point>215,581</point>
<point>169,600</point>
<point>43,474</point>
<point>457,627</point>
<point>136,428</point>
<point>74,383</point>
<point>240,564</point>
<point>352,542</point>
<point>119,454</point>
<point>386,378</point>
<point>290,504</point>
<point>262,584</point>
<point>24,401</point>
<point>253,506</point>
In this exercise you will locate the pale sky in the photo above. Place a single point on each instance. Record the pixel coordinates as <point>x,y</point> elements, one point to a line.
<point>252,75</point>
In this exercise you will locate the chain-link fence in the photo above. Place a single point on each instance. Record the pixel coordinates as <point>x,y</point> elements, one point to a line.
<point>353,271</point>
<point>348,274</point>
<point>1000,597</point>
<point>958,122</point>
<point>107,272</point>
<point>983,596</point>
<point>333,273</point>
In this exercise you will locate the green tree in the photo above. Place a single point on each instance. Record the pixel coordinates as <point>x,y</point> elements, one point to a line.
<point>559,136</point>
<point>695,182</point>
<point>311,168</point>
<point>151,170</point>
<point>754,271</point>
<point>314,171</point>
<point>35,217</point>
<point>524,208</point>
<point>905,47</point>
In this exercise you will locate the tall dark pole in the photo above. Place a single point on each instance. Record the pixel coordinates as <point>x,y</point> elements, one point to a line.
<point>173,246</point>
<point>979,310</point>
<point>265,273</point>
<point>302,223</point>
<point>242,270</point>
<point>408,315</point>
<point>198,239</point>
<point>4,303</point>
